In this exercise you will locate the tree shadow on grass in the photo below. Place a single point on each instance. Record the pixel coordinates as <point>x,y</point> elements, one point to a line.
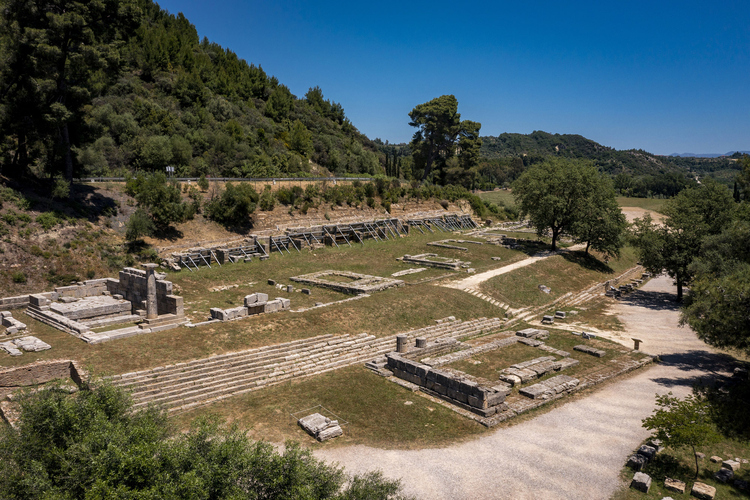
<point>587,261</point>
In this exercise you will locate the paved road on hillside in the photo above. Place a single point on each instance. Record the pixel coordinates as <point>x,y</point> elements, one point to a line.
<point>575,451</point>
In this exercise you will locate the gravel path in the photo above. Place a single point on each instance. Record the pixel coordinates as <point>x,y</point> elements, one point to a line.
<point>575,451</point>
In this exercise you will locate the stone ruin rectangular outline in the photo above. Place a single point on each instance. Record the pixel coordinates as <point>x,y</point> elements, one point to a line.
<point>362,283</point>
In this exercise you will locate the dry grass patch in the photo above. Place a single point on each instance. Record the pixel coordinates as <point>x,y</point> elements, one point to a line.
<point>380,413</point>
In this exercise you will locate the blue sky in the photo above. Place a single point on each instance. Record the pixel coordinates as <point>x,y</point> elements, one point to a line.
<point>666,77</point>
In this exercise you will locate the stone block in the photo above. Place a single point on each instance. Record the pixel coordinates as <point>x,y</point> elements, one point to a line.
<point>699,455</point>
<point>716,460</point>
<point>641,482</point>
<point>674,485</point>
<point>38,300</point>
<point>262,297</point>
<point>548,319</point>
<point>289,288</point>
<point>560,314</point>
<point>513,380</point>
<point>285,303</point>
<point>731,464</point>
<point>647,451</point>
<point>5,314</point>
<point>272,282</point>
<point>637,462</point>
<point>703,491</point>
<point>306,291</point>
<point>217,313</point>
<point>724,475</point>
<point>272,306</point>
<point>251,299</point>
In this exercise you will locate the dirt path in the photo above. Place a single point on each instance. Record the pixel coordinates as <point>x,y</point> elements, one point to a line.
<point>476,279</point>
<point>575,451</point>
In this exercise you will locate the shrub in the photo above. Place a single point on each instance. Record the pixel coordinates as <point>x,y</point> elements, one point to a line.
<point>24,217</point>
<point>235,205</point>
<point>10,217</point>
<point>139,225</point>
<point>203,183</point>
<point>371,202</point>
<point>48,220</point>
<point>387,206</point>
<point>18,277</point>
<point>445,204</point>
<point>60,188</point>
<point>90,274</point>
<point>267,200</point>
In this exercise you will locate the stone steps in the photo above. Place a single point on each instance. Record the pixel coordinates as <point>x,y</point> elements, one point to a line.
<point>57,321</point>
<point>187,385</point>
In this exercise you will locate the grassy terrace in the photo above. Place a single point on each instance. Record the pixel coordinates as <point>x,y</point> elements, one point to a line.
<point>388,312</point>
<point>563,273</point>
<point>381,413</point>
<point>489,364</point>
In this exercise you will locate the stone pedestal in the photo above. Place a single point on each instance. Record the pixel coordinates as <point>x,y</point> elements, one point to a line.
<point>151,306</point>
<point>401,343</point>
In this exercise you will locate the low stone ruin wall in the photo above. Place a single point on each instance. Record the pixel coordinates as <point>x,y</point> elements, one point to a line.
<point>133,286</point>
<point>255,303</point>
<point>459,390</point>
<point>40,372</point>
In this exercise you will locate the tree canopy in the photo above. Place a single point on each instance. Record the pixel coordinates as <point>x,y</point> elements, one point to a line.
<point>108,87</point>
<point>685,422</point>
<point>570,196</point>
<point>441,135</point>
<point>691,216</point>
<point>91,445</point>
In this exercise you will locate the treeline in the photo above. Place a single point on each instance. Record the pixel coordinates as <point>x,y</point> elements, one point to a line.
<point>104,88</point>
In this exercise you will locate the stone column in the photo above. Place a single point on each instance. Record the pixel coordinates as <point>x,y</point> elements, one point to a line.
<point>151,307</point>
<point>401,343</point>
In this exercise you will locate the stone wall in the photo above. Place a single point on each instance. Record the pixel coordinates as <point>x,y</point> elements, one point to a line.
<point>39,373</point>
<point>133,286</point>
<point>459,390</point>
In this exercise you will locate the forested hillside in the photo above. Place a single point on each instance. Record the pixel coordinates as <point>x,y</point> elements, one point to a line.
<point>106,87</point>
<point>635,172</point>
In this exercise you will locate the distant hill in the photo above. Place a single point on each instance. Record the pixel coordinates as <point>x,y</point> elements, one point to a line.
<point>708,155</point>
<point>538,145</point>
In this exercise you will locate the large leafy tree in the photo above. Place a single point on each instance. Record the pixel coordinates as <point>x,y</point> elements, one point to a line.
<point>439,127</point>
<point>691,216</point>
<point>92,445</point>
<point>601,224</point>
<point>556,194</point>
<point>718,306</point>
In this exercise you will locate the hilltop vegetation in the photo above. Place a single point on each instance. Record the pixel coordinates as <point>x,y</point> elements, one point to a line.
<point>96,89</point>
<point>635,172</point>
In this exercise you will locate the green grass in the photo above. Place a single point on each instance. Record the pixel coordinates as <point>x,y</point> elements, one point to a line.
<point>500,197</point>
<point>654,204</point>
<point>380,413</point>
<point>680,464</point>
<point>564,273</point>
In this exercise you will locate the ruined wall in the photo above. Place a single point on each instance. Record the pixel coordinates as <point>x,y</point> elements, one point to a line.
<point>39,373</point>
<point>483,400</point>
<point>133,286</point>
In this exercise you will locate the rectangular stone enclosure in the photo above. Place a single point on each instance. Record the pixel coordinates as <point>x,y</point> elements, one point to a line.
<point>347,282</point>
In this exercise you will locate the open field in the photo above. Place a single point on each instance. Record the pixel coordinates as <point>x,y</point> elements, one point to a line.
<point>380,413</point>
<point>653,204</point>
<point>563,273</point>
<point>501,197</point>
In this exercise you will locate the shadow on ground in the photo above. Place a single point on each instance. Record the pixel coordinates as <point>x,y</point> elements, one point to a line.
<point>658,301</point>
